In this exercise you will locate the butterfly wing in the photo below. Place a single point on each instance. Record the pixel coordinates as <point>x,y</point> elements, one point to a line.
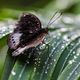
<point>29,23</point>
<point>31,44</point>
<point>14,40</point>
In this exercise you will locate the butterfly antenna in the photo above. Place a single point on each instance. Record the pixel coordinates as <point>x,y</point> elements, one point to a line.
<point>51,21</point>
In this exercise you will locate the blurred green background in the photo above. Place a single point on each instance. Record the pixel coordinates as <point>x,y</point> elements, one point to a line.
<point>11,8</point>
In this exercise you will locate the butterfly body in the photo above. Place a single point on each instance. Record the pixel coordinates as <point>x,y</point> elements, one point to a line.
<point>27,34</point>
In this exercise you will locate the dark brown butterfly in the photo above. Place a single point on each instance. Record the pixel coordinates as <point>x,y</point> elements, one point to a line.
<point>28,33</point>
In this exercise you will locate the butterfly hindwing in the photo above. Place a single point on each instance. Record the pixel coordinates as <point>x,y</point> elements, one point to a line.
<point>14,40</point>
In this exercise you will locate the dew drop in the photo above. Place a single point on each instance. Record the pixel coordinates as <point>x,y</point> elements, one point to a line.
<point>70,62</point>
<point>54,48</point>
<point>35,63</point>
<point>54,36</point>
<point>34,69</point>
<point>38,65</point>
<point>47,67</point>
<point>13,73</point>
<point>27,61</point>
<point>75,57</point>
<point>66,38</point>
<point>52,55</point>
<point>45,72</point>
<point>55,42</point>
<point>4,29</point>
<point>39,58</point>
<point>63,29</point>
<point>42,46</point>
<point>3,34</point>
<point>62,47</point>
<point>54,60</point>
<point>74,52</point>
<point>66,44</point>
<point>73,60</point>
<point>77,54</point>
<point>38,61</point>
<point>66,58</point>
<point>59,34</point>
<point>72,44</point>
<point>51,63</point>
<point>45,62</point>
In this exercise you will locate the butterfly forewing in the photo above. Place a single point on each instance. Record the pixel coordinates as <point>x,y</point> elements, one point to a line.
<point>27,25</point>
<point>35,42</point>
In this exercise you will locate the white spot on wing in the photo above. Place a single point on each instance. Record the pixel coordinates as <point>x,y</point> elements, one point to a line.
<point>16,37</point>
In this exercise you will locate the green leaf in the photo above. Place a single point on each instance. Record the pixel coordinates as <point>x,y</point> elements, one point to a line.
<point>67,55</point>
<point>8,65</point>
<point>45,63</point>
<point>20,69</point>
<point>72,70</point>
<point>3,51</point>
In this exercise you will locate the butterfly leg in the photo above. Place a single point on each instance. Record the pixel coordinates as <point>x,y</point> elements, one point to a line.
<point>18,51</point>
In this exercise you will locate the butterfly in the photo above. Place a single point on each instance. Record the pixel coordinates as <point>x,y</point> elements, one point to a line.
<point>28,33</point>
